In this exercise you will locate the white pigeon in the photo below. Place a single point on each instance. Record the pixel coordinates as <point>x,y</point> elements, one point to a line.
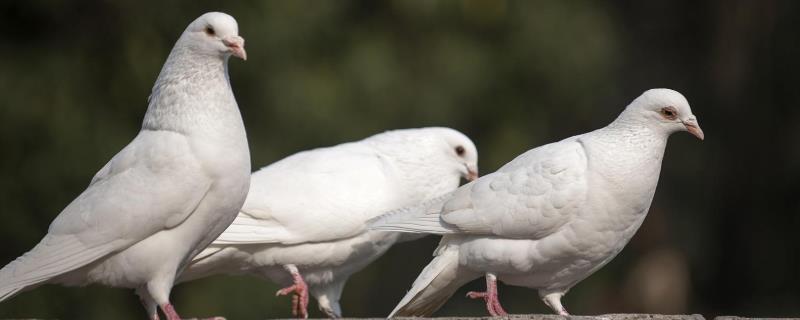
<point>167,194</point>
<point>304,224</point>
<point>552,216</point>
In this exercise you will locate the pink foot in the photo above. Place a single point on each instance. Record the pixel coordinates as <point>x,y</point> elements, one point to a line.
<point>490,296</point>
<point>300,296</point>
<point>170,312</point>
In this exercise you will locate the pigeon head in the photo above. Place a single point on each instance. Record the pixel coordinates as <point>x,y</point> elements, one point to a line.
<point>432,150</point>
<point>465,154</point>
<point>665,110</point>
<point>216,33</point>
<point>458,151</point>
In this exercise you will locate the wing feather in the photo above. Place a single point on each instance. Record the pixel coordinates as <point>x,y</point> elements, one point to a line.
<point>53,256</point>
<point>314,196</point>
<point>248,230</point>
<point>153,184</point>
<point>530,197</point>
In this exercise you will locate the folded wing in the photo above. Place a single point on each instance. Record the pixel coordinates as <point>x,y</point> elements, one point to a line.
<point>153,184</point>
<point>530,197</point>
<point>313,196</point>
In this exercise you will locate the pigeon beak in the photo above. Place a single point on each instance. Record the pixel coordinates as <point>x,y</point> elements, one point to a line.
<point>236,45</point>
<point>472,173</point>
<point>694,128</point>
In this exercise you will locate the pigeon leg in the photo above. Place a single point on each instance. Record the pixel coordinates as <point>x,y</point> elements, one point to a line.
<point>300,290</point>
<point>328,297</point>
<point>149,304</point>
<point>170,312</point>
<point>490,296</point>
<point>553,300</point>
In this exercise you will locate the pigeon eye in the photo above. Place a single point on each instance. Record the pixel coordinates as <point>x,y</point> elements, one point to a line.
<point>669,113</point>
<point>460,150</point>
<point>209,31</point>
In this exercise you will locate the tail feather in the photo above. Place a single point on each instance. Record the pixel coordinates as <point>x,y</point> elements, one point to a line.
<point>434,286</point>
<point>201,266</point>
<point>53,256</point>
<point>421,218</point>
<point>214,259</point>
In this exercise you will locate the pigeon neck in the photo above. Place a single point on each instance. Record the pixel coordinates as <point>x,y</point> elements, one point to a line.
<point>631,127</point>
<point>640,143</point>
<point>624,160</point>
<point>627,156</point>
<point>192,94</point>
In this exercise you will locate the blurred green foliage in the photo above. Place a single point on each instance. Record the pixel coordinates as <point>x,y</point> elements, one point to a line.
<point>721,237</point>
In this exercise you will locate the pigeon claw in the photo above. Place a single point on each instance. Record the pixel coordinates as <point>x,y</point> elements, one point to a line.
<point>299,299</point>
<point>492,303</point>
<point>299,291</point>
<point>490,296</point>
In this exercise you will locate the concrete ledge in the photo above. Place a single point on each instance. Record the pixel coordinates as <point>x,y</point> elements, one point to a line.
<point>746,318</point>
<point>616,316</point>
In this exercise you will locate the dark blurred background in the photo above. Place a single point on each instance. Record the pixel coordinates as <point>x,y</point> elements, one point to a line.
<point>722,234</point>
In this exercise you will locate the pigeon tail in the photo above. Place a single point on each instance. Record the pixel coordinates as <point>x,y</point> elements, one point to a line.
<point>52,257</point>
<point>421,218</point>
<point>437,283</point>
<point>205,263</point>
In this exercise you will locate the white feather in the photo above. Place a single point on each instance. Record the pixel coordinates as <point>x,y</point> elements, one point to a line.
<point>311,209</point>
<point>166,195</point>
<point>555,214</point>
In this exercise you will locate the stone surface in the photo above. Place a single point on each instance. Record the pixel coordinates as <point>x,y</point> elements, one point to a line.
<point>616,316</point>
<point>747,318</point>
<point>625,316</point>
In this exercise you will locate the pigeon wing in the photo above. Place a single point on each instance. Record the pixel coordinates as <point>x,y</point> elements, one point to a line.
<point>313,196</point>
<point>153,184</point>
<point>530,197</point>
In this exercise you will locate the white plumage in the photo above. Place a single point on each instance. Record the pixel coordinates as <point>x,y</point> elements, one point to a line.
<point>305,216</point>
<point>167,194</point>
<point>550,217</point>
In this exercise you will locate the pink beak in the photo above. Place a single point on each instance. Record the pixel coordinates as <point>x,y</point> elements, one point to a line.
<point>472,174</point>
<point>236,45</point>
<point>694,128</point>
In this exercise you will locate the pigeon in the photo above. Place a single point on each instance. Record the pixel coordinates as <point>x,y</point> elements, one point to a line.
<point>304,223</point>
<point>549,218</point>
<point>165,196</point>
